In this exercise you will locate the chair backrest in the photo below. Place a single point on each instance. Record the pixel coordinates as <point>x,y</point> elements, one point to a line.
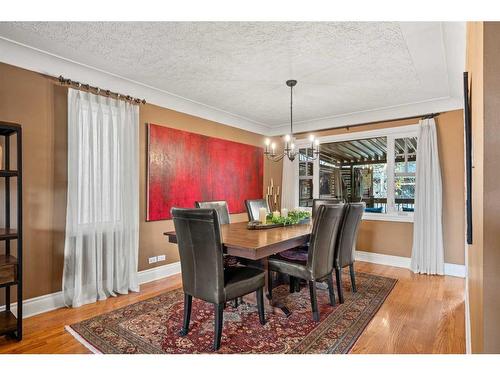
<point>319,202</point>
<point>344,253</point>
<point>253,206</point>
<point>200,249</point>
<point>324,239</point>
<point>219,206</point>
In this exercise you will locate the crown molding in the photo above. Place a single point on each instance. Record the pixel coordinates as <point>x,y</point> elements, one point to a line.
<point>31,58</point>
<point>380,114</point>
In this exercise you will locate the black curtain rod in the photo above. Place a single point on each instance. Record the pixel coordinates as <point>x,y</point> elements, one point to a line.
<point>347,127</point>
<point>99,91</point>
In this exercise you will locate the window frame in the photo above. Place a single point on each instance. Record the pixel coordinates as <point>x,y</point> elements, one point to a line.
<point>391,134</point>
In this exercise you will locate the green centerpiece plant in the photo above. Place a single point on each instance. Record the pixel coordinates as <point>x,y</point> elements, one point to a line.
<point>294,217</point>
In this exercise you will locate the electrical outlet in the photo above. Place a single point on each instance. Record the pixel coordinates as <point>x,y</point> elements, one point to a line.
<point>153,260</point>
<point>160,258</point>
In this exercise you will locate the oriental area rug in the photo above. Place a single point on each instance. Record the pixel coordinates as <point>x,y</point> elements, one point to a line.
<point>152,326</point>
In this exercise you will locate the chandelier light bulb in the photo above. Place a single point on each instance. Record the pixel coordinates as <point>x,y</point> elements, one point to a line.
<point>292,146</point>
<point>267,141</point>
<point>273,145</point>
<point>311,138</point>
<point>316,142</point>
<point>287,138</point>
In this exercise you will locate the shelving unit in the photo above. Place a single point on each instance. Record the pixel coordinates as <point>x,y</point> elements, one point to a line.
<point>11,267</point>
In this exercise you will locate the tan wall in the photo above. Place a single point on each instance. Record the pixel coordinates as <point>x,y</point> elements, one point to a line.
<point>40,105</point>
<point>491,186</point>
<point>394,238</point>
<point>483,59</point>
<point>475,252</point>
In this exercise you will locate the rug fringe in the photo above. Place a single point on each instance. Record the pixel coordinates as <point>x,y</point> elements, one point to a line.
<point>81,340</point>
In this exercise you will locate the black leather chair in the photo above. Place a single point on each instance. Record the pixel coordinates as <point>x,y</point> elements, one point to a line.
<point>319,202</point>
<point>321,252</point>
<point>253,206</point>
<point>344,253</point>
<point>224,218</point>
<point>219,206</point>
<point>203,273</point>
<point>300,253</point>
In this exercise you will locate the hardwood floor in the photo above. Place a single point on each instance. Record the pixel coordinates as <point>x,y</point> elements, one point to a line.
<point>423,314</point>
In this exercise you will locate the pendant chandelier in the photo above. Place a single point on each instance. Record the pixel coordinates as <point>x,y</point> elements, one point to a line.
<point>290,150</point>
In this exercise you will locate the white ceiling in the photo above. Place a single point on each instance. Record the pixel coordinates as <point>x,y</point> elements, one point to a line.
<point>345,70</point>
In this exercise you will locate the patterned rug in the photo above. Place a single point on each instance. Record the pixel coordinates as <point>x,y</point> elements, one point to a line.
<point>152,326</point>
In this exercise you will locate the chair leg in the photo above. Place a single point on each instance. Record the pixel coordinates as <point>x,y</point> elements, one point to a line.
<point>297,285</point>
<point>235,303</point>
<point>293,282</point>
<point>338,276</point>
<point>270,283</point>
<point>260,305</point>
<point>219,316</point>
<point>331,291</point>
<point>314,300</point>
<point>353,278</point>
<point>188,300</point>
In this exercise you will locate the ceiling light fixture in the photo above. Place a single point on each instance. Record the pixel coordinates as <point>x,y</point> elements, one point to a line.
<point>290,149</point>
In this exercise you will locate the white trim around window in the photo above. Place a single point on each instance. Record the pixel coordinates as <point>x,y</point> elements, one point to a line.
<point>391,134</point>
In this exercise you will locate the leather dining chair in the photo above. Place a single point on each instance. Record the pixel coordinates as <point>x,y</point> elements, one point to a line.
<point>224,218</point>
<point>253,206</point>
<point>203,274</point>
<point>344,253</point>
<point>219,206</point>
<point>319,202</point>
<point>300,253</point>
<point>319,265</point>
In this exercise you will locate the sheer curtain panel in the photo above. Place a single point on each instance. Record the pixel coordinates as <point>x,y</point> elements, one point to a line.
<point>289,182</point>
<point>102,219</point>
<point>428,253</point>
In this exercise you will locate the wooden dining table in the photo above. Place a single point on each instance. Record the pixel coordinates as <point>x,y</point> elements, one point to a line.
<point>258,245</point>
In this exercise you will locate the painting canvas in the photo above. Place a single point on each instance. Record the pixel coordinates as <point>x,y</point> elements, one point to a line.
<point>185,167</point>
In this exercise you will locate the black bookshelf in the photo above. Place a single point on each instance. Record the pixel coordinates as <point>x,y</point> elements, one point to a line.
<point>11,267</point>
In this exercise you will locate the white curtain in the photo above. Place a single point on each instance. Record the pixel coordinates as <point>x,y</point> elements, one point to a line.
<point>102,219</point>
<point>427,253</point>
<point>290,184</point>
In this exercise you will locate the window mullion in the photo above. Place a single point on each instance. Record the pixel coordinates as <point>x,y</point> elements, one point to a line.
<point>316,178</point>
<point>391,204</point>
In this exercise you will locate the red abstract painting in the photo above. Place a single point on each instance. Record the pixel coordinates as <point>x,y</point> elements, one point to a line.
<point>184,167</point>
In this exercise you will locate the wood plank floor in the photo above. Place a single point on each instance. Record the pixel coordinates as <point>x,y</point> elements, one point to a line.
<point>423,314</point>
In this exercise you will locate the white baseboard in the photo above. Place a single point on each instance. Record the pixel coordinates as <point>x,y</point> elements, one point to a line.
<point>468,339</point>
<point>386,260</point>
<point>450,269</point>
<point>53,301</point>
<point>157,273</point>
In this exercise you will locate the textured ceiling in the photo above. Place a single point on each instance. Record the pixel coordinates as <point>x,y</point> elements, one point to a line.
<point>241,68</point>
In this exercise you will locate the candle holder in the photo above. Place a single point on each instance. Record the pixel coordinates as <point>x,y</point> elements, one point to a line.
<point>273,197</point>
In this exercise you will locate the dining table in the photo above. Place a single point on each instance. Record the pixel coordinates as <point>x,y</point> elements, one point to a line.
<point>257,245</point>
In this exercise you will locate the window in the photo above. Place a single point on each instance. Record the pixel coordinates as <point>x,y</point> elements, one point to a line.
<point>376,167</point>
<point>306,175</point>
<point>405,166</point>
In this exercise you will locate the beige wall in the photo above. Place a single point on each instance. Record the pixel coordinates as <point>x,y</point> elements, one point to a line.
<point>483,60</point>
<point>491,272</point>
<point>395,238</point>
<point>40,105</point>
<point>474,63</point>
